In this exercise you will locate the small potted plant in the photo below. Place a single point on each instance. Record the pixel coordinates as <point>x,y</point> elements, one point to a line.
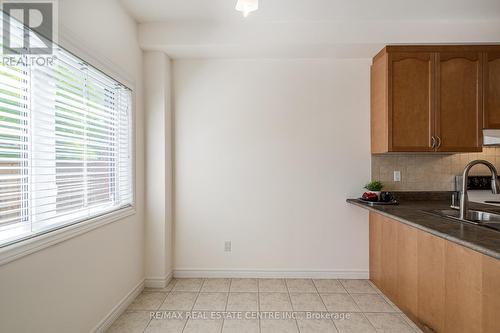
<point>374,187</point>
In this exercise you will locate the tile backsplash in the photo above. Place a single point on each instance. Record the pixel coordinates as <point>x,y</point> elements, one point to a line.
<point>426,172</point>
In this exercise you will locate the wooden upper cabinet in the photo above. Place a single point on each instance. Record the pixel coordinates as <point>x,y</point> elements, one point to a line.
<point>433,98</point>
<point>401,102</point>
<point>459,114</point>
<point>410,104</point>
<point>491,89</point>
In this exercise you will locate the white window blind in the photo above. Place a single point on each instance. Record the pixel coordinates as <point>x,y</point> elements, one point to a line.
<point>65,145</point>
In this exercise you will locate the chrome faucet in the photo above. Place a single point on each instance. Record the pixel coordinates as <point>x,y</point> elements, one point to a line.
<point>464,199</point>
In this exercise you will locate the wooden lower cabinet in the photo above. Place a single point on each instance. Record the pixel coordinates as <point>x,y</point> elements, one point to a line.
<point>463,271</point>
<point>375,249</point>
<point>407,277</point>
<point>490,295</point>
<point>389,259</point>
<point>431,281</point>
<point>441,286</point>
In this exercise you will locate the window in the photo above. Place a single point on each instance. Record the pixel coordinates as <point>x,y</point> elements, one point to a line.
<point>65,145</point>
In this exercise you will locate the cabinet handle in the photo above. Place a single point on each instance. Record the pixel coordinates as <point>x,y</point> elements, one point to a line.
<point>433,142</point>
<point>438,142</point>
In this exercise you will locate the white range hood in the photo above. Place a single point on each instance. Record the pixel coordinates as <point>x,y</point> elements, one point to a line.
<point>491,137</point>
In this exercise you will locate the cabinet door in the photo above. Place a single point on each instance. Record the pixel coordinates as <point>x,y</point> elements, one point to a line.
<point>375,248</point>
<point>463,284</point>
<point>431,281</point>
<point>389,253</point>
<point>410,102</point>
<point>492,90</point>
<point>407,270</point>
<point>459,101</point>
<point>491,295</point>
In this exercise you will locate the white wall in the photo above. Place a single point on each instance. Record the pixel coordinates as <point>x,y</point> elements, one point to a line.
<point>70,287</point>
<point>267,151</point>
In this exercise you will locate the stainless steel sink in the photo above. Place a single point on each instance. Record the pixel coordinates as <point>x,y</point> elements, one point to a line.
<point>477,217</point>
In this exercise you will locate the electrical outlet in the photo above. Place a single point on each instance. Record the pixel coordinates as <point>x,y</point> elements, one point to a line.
<point>397,176</point>
<point>227,246</point>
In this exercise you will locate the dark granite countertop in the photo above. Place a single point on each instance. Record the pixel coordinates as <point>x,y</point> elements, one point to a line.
<point>411,212</point>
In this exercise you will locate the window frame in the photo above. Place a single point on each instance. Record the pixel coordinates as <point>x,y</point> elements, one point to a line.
<point>31,244</point>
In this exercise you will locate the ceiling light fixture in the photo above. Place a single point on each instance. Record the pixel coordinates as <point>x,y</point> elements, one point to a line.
<point>247,6</point>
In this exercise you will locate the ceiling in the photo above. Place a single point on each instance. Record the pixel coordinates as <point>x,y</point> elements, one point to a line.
<point>313,10</point>
<point>308,28</point>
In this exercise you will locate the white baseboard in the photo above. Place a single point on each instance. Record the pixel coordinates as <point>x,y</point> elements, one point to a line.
<point>158,282</point>
<point>119,309</point>
<point>218,273</point>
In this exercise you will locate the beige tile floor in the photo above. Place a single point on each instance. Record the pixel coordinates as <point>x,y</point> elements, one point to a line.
<point>346,306</point>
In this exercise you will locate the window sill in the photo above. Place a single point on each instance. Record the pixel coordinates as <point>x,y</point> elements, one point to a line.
<point>32,245</point>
